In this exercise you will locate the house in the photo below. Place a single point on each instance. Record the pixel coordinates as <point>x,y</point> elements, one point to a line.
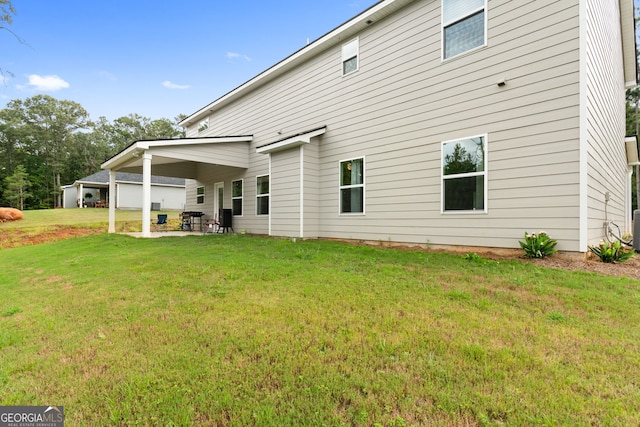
<point>93,191</point>
<point>441,122</point>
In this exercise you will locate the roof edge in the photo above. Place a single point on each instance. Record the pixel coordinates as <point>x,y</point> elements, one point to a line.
<point>379,10</point>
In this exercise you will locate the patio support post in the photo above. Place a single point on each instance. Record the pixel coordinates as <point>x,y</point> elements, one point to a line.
<point>112,201</point>
<point>80,193</point>
<point>146,195</point>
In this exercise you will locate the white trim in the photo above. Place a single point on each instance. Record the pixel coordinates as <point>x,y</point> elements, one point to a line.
<point>628,218</point>
<point>363,186</point>
<point>583,185</point>
<point>444,24</point>
<point>203,125</point>
<point>485,173</point>
<point>112,201</point>
<point>236,198</point>
<point>294,141</point>
<point>216,198</point>
<point>302,191</point>
<point>270,191</point>
<point>263,195</point>
<point>203,195</point>
<point>631,145</point>
<point>345,59</point>
<point>146,194</point>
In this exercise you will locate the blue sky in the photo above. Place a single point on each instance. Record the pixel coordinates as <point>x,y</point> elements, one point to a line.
<point>154,58</point>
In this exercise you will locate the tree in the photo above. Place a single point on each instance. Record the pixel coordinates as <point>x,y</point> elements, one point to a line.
<point>49,125</point>
<point>57,143</point>
<point>16,187</point>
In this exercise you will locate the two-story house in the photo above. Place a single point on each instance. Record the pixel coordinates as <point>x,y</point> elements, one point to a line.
<point>447,122</point>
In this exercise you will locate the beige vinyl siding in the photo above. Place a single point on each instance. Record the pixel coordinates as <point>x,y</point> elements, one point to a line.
<point>311,184</point>
<point>285,192</point>
<point>605,119</point>
<point>404,101</point>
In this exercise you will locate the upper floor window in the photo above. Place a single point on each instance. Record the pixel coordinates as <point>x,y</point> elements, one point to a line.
<point>463,26</point>
<point>350,52</point>
<point>203,125</point>
<point>200,195</point>
<point>236,197</point>
<point>352,186</point>
<point>262,195</point>
<point>464,174</point>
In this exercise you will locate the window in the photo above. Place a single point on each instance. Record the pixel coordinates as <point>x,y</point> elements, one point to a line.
<point>350,57</point>
<point>200,195</point>
<point>463,26</point>
<point>203,125</point>
<point>236,197</point>
<point>262,195</point>
<point>464,174</point>
<point>352,186</point>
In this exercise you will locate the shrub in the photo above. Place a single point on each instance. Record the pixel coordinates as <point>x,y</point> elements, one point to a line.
<point>538,245</point>
<point>611,252</point>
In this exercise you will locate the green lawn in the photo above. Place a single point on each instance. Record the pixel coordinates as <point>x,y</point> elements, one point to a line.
<point>242,330</point>
<point>90,217</point>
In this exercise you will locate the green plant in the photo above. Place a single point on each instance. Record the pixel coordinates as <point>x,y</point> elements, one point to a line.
<point>538,245</point>
<point>472,257</point>
<point>611,252</point>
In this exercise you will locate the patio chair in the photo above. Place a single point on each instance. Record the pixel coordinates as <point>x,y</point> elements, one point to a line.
<point>161,222</point>
<point>211,225</point>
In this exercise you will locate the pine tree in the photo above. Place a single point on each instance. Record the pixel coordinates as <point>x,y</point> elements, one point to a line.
<point>16,187</point>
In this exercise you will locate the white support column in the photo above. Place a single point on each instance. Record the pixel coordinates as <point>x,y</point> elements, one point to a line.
<point>112,201</point>
<point>628,218</point>
<point>146,195</point>
<point>80,194</point>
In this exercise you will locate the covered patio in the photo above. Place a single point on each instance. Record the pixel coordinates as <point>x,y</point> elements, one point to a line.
<point>189,158</point>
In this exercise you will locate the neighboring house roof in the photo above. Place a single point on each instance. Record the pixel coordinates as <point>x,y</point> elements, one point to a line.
<point>102,177</point>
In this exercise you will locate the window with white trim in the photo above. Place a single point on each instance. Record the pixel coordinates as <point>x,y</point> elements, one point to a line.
<point>262,195</point>
<point>463,26</point>
<point>464,175</point>
<point>352,186</point>
<point>203,125</point>
<point>236,197</point>
<point>200,195</point>
<point>350,53</point>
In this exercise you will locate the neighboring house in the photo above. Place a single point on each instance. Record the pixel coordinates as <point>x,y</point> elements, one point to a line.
<point>166,192</point>
<point>442,122</point>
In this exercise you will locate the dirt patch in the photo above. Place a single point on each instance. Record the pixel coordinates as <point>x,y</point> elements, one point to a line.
<point>15,238</point>
<point>564,261</point>
<point>573,261</point>
<point>629,268</point>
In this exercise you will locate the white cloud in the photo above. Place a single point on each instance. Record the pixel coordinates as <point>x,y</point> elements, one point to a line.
<point>170,85</point>
<point>46,83</point>
<point>234,55</point>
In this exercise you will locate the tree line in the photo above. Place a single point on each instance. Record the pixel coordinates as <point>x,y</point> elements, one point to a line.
<point>46,142</point>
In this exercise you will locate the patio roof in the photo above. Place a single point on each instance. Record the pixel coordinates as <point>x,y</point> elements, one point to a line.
<point>179,157</point>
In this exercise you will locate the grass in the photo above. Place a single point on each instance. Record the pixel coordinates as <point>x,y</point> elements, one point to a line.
<point>48,225</point>
<point>46,219</point>
<point>242,330</point>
